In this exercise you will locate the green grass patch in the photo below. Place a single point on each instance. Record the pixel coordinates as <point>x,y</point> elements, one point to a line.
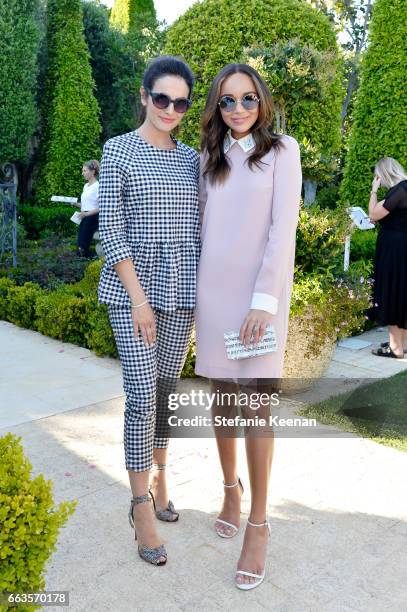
<point>376,410</point>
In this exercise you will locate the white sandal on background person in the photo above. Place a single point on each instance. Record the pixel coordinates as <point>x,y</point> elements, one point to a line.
<point>259,577</point>
<point>222,534</point>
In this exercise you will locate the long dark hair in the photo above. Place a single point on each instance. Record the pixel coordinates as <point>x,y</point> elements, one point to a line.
<point>214,128</point>
<point>163,66</point>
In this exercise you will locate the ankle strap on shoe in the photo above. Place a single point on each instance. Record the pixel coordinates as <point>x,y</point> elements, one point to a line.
<point>158,466</point>
<point>232,485</point>
<point>141,499</point>
<point>257,524</point>
<point>265,524</point>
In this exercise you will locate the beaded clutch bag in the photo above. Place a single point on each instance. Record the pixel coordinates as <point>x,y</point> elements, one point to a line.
<point>237,350</point>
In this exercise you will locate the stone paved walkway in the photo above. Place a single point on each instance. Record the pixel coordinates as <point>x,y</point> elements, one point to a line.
<point>337,505</point>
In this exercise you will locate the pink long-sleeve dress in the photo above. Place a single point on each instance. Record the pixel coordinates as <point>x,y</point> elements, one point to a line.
<point>248,246</point>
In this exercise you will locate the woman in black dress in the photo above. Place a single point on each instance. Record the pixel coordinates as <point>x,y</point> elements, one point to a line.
<point>390,271</point>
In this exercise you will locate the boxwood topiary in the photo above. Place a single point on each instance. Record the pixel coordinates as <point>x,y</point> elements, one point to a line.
<point>215,32</point>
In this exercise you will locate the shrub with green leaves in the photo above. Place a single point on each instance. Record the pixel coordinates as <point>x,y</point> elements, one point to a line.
<point>48,262</point>
<point>21,304</point>
<point>380,114</point>
<point>212,33</point>
<point>29,521</point>
<point>62,315</point>
<point>363,245</point>
<point>5,285</point>
<point>98,334</point>
<point>70,109</point>
<point>335,309</point>
<point>40,221</point>
<point>301,78</point>
<point>320,241</point>
<point>69,312</point>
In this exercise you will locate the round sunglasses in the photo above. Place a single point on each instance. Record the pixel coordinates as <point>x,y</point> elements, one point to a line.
<point>228,103</point>
<point>162,101</point>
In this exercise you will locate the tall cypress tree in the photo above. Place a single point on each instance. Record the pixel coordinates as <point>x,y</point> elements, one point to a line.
<point>137,21</point>
<point>72,126</point>
<point>132,15</point>
<point>19,42</point>
<point>380,113</point>
<point>112,69</point>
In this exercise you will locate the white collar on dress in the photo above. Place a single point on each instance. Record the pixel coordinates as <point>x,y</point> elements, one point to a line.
<point>246,143</point>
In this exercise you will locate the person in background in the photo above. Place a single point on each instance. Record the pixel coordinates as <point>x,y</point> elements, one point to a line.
<point>390,267</point>
<point>89,205</point>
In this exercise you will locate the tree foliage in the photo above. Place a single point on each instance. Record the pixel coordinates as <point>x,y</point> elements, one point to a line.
<point>137,21</point>
<point>300,78</point>
<point>130,15</point>
<point>113,71</point>
<point>215,32</point>
<point>380,115</point>
<point>19,42</point>
<point>72,111</point>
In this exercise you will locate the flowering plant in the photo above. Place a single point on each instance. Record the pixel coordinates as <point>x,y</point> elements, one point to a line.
<point>331,309</point>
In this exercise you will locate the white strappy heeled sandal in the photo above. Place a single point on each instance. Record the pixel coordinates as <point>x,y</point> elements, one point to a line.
<point>259,577</point>
<point>221,534</point>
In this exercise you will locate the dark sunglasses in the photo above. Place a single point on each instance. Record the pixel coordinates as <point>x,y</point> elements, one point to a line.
<point>160,100</point>
<point>228,103</point>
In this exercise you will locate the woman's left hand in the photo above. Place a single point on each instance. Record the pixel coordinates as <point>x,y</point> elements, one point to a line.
<point>376,183</point>
<point>83,215</point>
<point>254,326</point>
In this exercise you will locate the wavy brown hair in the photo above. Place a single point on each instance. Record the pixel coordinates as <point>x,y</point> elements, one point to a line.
<point>214,129</point>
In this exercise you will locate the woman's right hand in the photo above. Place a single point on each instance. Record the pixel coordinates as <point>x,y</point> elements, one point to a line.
<point>144,322</point>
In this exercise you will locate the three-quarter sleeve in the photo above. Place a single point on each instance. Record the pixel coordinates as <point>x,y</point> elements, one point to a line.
<point>112,227</point>
<point>393,198</point>
<point>203,194</point>
<point>284,219</point>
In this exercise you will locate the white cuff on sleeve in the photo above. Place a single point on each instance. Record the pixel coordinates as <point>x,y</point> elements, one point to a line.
<point>264,301</point>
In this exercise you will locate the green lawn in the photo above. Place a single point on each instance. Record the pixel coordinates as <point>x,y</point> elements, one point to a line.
<point>377,410</point>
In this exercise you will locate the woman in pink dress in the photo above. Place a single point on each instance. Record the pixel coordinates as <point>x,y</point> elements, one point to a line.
<point>249,202</point>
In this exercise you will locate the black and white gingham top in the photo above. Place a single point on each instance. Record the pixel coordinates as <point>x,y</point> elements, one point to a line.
<point>148,200</point>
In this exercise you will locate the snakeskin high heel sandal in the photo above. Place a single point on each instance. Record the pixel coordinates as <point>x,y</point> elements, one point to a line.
<point>235,529</point>
<point>259,577</point>
<point>168,514</point>
<point>151,555</point>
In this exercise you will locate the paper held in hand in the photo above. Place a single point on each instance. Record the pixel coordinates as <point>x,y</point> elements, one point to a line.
<point>66,199</point>
<point>237,350</point>
<point>76,218</point>
<point>360,218</point>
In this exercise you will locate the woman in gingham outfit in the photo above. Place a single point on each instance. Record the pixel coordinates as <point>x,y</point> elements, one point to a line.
<point>149,227</point>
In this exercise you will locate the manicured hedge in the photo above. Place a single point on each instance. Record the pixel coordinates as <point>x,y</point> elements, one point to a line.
<point>70,313</point>
<point>40,220</point>
<point>380,114</point>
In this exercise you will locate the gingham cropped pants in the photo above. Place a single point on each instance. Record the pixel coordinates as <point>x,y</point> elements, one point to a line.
<point>149,374</point>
